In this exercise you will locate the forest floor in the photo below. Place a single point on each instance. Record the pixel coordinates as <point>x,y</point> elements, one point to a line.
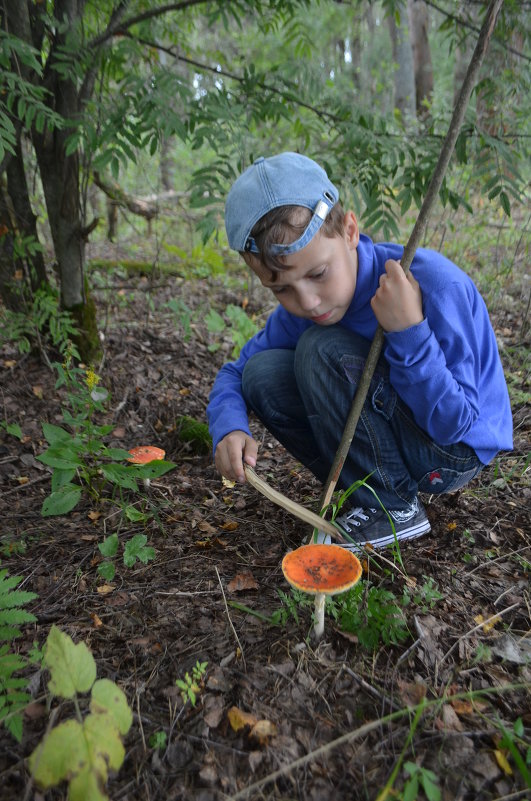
<point>458,609</point>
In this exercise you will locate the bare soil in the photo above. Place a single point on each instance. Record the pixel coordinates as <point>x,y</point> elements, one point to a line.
<point>327,736</point>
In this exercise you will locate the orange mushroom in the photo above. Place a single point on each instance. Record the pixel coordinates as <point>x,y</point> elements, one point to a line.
<point>321,570</point>
<point>144,454</point>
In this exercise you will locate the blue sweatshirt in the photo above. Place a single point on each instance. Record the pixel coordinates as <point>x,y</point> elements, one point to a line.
<point>447,369</point>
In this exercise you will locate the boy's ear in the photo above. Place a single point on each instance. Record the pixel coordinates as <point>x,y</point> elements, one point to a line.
<point>352,232</point>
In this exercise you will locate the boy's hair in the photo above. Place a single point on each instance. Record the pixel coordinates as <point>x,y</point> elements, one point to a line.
<point>285,224</point>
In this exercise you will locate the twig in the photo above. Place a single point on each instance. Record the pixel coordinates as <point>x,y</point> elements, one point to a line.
<point>471,631</point>
<point>414,241</point>
<point>371,690</point>
<point>230,621</point>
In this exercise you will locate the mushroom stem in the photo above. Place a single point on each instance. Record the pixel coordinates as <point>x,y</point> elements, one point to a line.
<point>319,610</point>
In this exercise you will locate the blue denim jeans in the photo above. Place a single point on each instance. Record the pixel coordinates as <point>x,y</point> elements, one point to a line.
<point>303,397</point>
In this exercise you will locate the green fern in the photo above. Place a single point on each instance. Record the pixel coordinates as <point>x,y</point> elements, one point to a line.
<point>13,695</point>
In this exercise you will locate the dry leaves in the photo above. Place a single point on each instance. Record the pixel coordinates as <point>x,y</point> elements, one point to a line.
<point>243,581</point>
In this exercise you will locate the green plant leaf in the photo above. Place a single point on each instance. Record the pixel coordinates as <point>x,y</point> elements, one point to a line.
<point>109,546</point>
<point>107,570</point>
<point>136,548</point>
<point>55,435</point>
<point>62,753</point>
<point>63,456</point>
<point>154,469</point>
<point>61,478</point>
<point>62,501</point>
<point>108,698</point>
<point>134,515</point>
<point>120,475</point>
<point>72,667</point>
<point>86,787</point>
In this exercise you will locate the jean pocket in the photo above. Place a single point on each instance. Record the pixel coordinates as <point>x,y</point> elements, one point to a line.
<point>443,479</point>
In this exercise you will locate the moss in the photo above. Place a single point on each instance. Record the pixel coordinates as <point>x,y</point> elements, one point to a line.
<point>88,341</point>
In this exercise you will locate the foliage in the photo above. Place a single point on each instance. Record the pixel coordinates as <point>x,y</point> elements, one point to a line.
<point>311,76</point>
<point>373,614</point>
<point>42,324</point>
<point>80,751</point>
<point>135,549</point>
<point>197,434</point>
<point>83,455</point>
<point>241,327</point>
<point>13,694</point>
<point>192,683</point>
<point>420,777</point>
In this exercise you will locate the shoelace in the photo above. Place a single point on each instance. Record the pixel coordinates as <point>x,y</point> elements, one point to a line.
<point>350,517</point>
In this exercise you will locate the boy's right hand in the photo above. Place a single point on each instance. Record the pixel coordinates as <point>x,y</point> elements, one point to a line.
<point>232,451</point>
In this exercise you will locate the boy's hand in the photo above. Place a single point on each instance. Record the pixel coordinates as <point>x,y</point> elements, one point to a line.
<point>232,451</point>
<point>397,302</point>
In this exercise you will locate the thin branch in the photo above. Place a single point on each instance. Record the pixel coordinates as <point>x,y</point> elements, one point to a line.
<point>230,621</point>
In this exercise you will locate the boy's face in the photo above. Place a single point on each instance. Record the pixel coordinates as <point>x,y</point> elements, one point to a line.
<point>320,279</point>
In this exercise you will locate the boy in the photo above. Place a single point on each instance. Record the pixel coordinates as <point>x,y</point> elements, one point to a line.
<point>438,408</point>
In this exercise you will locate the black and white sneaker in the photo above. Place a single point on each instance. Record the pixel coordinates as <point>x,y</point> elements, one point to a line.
<point>373,527</point>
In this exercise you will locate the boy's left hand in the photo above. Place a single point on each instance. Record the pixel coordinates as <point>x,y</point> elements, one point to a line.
<point>397,302</point>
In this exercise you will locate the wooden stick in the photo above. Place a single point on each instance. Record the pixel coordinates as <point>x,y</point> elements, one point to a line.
<point>290,506</point>
<point>414,240</point>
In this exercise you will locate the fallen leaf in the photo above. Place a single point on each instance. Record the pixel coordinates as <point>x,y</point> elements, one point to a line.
<point>206,528</point>
<point>35,710</point>
<point>97,621</point>
<point>502,761</point>
<point>262,731</point>
<point>451,526</point>
<point>448,720</point>
<point>411,692</point>
<point>94,516</point>
<point>230,525</point>
<point>38,391</point>
<point>239,719</point>
<point>9,363</point>
<point>243,581</point>
<point>22,479</point>
<point>464,707</point>
<point>105,589</point>
<point>185,391</point>
<point>213,710</point>
<point>227,483</point>
<point>119,432</point>
<point>487,626</point>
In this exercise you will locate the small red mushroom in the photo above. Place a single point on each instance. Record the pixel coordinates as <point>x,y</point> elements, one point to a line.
<point>144,454</point>
<point>321,570</point>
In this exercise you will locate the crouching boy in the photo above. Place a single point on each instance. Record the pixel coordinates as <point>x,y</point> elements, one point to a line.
<point>438,408</point>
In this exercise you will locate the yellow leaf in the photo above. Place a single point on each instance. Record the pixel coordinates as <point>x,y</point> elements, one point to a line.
<point>230,525</point>
<point>9,363</point>
<point>37,391</point>
<point>96,620</point>
<point>262,731</point>
<point>487,626</point>
<point>22,479</point>
<point>501,759</point>
<point>451,526</point>
<point>105,589</point>
<point>239,719</point>
<point>228,483</point>
<point>94,516</point>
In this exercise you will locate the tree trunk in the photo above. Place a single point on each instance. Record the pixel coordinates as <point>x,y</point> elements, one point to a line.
<point>404,77</point>
<point>418,31</point>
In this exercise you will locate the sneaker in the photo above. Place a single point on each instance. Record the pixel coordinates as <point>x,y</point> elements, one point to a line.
<point>372,526</point>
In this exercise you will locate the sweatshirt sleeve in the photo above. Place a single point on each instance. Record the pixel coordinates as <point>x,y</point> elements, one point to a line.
<point>436,366</point>
<point>227,410</point>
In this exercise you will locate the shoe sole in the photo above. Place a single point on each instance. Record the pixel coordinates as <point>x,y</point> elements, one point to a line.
<point>411,534</point>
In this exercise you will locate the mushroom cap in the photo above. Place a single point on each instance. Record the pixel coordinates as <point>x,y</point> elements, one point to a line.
<point>145,454</point>
<point>327,569</point>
